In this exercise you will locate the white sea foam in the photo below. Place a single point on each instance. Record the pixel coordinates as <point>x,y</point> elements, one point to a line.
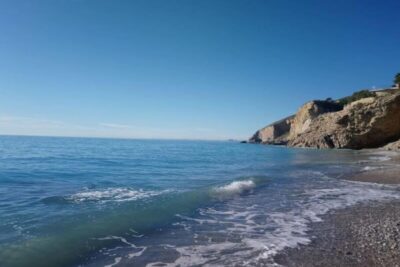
<point>370,168</point>
<point>138,251</point>
<point>252,236</point>
<point>112,194</point>
<point>234,188</point>
<point>380,158</point>
<point>116,261</point>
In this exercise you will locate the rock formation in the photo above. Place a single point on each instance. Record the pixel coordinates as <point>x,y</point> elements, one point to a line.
<point>393,146</point>
<point>366,123</point>
<point>308,112</point>
<point>275,133</point>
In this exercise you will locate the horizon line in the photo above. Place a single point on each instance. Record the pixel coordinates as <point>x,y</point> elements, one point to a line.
<point>119,138</point>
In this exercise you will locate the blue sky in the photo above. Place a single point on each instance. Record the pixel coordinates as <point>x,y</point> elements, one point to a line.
<point>184,69</point>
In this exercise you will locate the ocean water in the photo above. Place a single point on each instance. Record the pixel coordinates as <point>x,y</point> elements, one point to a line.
<point>109,202</point>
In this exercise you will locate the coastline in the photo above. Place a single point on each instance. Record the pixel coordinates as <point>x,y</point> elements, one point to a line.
<point>386,170</point>
<point>366,234</point>
<point>363,235</point>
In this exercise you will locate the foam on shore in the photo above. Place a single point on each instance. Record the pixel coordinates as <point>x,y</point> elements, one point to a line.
<point>262,236</point>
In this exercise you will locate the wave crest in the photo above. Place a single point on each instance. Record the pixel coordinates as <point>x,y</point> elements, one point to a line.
<point>103,196</point>
<point>112,194</point>
<point>235,188</point>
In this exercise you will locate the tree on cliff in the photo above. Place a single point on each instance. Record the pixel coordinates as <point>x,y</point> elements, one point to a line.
<point>397,80</point>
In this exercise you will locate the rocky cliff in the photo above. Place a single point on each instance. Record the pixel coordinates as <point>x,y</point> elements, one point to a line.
<point>308,112</point>
<point>275,133</point>
<point>369,122</point>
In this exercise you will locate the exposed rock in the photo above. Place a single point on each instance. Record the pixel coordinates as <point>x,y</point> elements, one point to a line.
<point>366,123</point>
<point>384,92</point>
<point>369,122</point>
<point>308,112</point>
<point>275,133</point>
<point>393,146</point>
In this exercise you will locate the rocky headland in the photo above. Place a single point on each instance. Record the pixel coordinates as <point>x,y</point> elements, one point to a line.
<point>367,119</point>
<point>367,234</point>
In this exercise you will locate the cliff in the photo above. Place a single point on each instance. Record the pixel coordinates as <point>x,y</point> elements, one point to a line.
<point>369,122</point>
<point>275,133</point>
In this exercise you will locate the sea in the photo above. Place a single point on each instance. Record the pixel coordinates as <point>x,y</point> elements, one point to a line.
<point>123,202</point>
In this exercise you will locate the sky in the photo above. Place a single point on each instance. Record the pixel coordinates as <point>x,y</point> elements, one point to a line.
<point>187,69</point>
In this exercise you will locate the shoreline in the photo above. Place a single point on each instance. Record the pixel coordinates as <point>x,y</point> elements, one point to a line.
<point>383,171</point>
<point>363,235</point>
<point>367,234</point>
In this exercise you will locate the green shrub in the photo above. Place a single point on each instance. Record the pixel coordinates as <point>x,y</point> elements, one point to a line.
<point>397,78</point>
<point>356,96</point>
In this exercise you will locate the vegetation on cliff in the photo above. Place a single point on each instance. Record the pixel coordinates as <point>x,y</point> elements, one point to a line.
<point>356,96</point>
<point>397,79</point>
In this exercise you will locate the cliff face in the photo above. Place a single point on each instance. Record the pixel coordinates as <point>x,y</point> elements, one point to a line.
<point>275,133</point>
<point>308,112</point>
<point>367,123</point>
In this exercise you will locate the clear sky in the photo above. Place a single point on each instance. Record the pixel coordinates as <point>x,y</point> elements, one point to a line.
<point>185,69</point>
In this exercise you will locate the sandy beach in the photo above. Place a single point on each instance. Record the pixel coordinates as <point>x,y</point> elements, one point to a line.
<point>363,235</point>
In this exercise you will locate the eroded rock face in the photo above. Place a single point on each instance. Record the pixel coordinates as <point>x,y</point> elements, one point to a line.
<point>393,146</point>
<point>309,111</point>
<point>275,133</point>
<point>367,123</point>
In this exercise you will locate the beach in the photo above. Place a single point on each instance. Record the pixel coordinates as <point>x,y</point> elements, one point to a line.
<point>366,234</point>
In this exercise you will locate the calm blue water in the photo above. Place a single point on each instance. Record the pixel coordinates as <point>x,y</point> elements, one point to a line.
<point>107,202</point>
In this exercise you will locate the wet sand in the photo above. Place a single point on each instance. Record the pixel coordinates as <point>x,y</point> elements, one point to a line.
<point>383,172</point>
<point>364,235</point>
<point>386,175</point>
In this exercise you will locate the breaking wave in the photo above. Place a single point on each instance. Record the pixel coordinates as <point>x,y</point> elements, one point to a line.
<point>234,188</point>
<point>246,235</point>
